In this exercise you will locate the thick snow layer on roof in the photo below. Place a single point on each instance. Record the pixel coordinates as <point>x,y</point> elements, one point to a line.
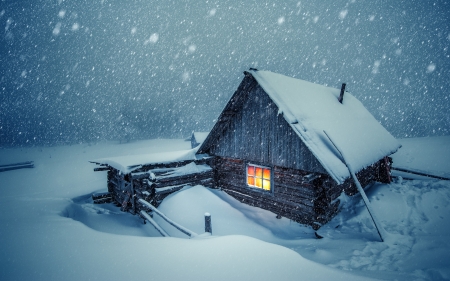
<point>128,163</point>
<point>311,109</point>
<point>200,136</point>
<point>190,168</point>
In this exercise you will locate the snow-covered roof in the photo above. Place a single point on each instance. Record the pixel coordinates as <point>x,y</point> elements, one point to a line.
<point>200,136</point>
<point>310,109</point>
<point>128,163</point>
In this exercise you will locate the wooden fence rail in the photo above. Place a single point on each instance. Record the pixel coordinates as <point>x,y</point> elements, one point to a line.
<point>171,222</point>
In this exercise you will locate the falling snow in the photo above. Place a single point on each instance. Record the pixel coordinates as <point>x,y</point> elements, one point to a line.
<point>169,67</point>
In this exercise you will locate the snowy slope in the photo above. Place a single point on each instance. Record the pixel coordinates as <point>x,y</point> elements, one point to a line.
<point>51,230</point>
<point>41,241</point>
<point>424,155</point>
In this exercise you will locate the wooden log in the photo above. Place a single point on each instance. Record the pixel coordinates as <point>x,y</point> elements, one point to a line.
<point>171,222</point>
<point>99,169</point>
<point>136,176</point>
<point>103,200</point>
<point>177,164</point>
<point>16,166</point>
<point>168,189</point>
<point>420,173</point>
<point>181,177</point>
<point>155,224</point>
<point>96,196</point>
<point>292,212</point>
<point>269,201</point>
<point>378,226</point>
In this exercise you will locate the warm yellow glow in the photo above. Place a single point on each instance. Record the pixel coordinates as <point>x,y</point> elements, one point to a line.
<point>259,177</point>
<point>258,182</point>
<point>250,180</point>
<point>266,174</point>
<point>258,172</point>
<point>266,185</point>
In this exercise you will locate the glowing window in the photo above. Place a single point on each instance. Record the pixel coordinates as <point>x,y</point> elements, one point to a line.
<point>258,177</point>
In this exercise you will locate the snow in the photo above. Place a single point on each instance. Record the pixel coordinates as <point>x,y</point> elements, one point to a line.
<point>419,155</point>
<point>311,109</point>
<point>190,168</point>
<point>200,136</point>
<point>128,163</point>
<point>52,230</point>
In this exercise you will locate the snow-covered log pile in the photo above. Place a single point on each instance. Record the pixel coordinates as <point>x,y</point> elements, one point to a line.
<point>151,182</point>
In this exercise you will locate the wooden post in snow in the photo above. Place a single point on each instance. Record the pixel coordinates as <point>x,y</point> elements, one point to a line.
<point>208,227</point>
<point>380,229</point>
<point>341,95</point>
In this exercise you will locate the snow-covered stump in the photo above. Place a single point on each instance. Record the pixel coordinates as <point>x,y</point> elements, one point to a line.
<point>208,226</point>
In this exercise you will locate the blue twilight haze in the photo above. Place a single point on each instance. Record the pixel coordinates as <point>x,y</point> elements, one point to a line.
<point>82,71</point>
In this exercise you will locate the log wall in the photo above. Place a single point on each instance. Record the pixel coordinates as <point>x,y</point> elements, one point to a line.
<point>139,185</point>
<point>298,195</point>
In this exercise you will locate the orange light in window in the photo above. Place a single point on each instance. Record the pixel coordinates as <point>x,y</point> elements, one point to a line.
<point>258,182</point>
<point>251,171</point>
<point>266,174</point>
<point>250,180</point>
<point>259,177</point>
<point>258,172</point>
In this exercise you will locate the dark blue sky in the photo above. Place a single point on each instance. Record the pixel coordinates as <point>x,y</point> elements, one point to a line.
<point>77,71</point>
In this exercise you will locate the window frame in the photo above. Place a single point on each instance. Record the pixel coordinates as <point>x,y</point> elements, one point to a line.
<point>255,188</point>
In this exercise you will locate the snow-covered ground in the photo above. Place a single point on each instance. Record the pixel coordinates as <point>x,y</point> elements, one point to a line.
<point>52,231</point>
<point>424,155</point>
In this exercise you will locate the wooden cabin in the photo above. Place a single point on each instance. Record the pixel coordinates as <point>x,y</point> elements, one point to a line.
<point>151,177</point>
<point>269,148</point>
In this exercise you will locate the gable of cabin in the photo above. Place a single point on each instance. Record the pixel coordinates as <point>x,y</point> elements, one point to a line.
<point>253,129</point>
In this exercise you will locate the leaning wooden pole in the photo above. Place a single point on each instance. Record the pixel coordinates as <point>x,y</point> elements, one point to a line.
<point>380,229</point>
<point>155,224</point>
<point>174,224</point>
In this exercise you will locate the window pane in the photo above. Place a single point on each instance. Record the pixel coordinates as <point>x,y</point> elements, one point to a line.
<point>250,180</point>
<point>259,172</point>
<point>250,170</point>
<point>266,185</point>
<point>258,182</point>
<point>267,174</point>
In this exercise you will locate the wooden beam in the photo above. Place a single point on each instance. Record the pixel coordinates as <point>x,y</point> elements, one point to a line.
<point>381,232</point>
<point>16,166</point>
<point>99,169</point>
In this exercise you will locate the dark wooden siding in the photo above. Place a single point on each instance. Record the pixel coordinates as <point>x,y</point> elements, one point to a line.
<point>295,194</point>
<point>259,133</point>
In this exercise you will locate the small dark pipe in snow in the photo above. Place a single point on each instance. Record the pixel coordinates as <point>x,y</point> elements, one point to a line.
<point>341,96</point>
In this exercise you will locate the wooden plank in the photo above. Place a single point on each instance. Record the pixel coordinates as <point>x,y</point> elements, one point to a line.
<point>16,166</point>
<point>193,176</point>
<point>140,176</point>
<point>100,169</point>
<point>154,223</point>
